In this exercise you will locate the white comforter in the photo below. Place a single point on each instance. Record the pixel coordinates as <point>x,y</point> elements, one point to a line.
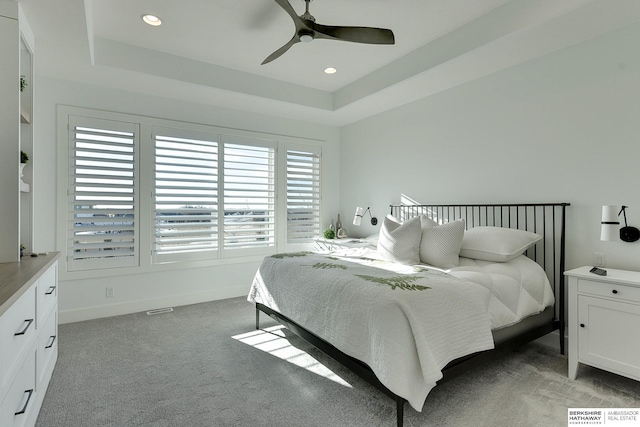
<point>379,313</point>
<point>519,288</point>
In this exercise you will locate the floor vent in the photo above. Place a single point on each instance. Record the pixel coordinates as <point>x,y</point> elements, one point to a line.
<point>160,311</point>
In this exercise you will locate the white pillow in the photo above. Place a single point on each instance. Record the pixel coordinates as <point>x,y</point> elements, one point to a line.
<point>496,244</point>
<point>427,222</point>
<point>400,242</point>
<point>440,244</point>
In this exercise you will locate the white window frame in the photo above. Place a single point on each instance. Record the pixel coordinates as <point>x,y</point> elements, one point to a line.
<point>202,251</point>
<point>313,184</point>
<point>78,263</point>
<point>234,141</point>
<point>145,184</point>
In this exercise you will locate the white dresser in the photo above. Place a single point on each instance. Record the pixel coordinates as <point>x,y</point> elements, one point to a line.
<point>28,332</point>
<point>604,321</point>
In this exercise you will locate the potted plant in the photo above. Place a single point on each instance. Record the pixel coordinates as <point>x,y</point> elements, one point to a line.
<point>23,83</point>
<point>24,158</point>
<point>22,248</point>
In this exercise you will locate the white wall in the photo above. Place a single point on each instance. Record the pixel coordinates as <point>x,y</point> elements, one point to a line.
<point>565,127</point>
<point>84,299</point>
<point>10,133</point>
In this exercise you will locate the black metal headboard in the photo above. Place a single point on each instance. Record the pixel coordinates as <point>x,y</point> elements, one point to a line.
<point>546,219</point>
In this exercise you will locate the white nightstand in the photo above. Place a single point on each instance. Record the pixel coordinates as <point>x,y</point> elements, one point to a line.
<point>604,321</point>
<point>329,245</point>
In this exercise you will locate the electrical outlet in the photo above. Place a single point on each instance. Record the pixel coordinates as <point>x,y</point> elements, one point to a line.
<point>109,292</point>
<point>598,259</point>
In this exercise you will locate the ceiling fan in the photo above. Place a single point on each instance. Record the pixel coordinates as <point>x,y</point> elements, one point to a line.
<point>307,30</point>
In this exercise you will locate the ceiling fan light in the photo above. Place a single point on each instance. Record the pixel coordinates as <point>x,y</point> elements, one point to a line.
<point>306,38</point>
<point>152,20</point>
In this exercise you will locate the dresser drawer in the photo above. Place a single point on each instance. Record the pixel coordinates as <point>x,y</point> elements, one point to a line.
<point>609,290</point>
<point>21,398</point>
<point>47,346</point>
<point>17,331</point>
<point>47,293</point>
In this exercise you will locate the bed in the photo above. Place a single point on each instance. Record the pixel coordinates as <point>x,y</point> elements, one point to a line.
<point>445,287</point>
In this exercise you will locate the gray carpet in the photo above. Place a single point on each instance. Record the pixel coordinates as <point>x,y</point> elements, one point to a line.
<point>205,365</point>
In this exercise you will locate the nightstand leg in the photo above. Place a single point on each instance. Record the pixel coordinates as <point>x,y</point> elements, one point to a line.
<point>573,368</point>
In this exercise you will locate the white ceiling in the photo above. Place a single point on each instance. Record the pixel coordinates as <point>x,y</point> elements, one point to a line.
<point>210,51</point>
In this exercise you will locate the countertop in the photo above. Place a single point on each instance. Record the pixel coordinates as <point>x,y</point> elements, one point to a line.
<point>17,277</point>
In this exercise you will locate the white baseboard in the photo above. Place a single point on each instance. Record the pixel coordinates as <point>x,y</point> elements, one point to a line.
<point>97,312</point>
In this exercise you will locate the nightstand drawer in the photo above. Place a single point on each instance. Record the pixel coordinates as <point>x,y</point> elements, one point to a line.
<point>610,290</point>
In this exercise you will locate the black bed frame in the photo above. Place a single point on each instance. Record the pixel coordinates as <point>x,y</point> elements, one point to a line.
<point>546,219</point>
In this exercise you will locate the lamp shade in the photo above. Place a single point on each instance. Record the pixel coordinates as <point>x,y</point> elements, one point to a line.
<point>357,219</point>
<point>610,223</point>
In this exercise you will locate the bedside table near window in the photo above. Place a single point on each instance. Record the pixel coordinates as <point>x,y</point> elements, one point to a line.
<point>604,321</point>
<point>323,245</point>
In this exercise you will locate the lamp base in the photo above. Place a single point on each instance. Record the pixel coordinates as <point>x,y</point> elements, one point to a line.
<point>629,234</point>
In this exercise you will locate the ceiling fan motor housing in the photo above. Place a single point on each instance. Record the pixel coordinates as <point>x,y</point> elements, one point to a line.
<point>305,36</point>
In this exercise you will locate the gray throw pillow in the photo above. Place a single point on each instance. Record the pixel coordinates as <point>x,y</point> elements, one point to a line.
<point>440,244</point>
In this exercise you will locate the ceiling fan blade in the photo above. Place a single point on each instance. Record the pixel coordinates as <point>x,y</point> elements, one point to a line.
<point>367,35</point>
<point>282,50</point>
<point>306,28</point>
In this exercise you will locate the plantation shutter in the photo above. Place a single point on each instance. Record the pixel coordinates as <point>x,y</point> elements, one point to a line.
<point>249,193</point>
<point>102,226</point>
<point>303,195</point>
<point>186,196</point>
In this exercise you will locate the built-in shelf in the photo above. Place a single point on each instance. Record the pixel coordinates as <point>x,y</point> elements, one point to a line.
<point>25,117</point>
<point>25,143</point>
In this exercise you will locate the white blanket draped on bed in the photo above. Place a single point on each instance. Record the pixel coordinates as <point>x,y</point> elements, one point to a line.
<point>405,324</point>
<point>519,288</point>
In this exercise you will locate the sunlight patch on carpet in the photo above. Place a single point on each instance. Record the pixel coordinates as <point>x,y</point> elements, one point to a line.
<point>273,341</point>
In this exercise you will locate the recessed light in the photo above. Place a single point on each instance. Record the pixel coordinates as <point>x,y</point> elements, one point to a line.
<point>152,20</point>
<point>330,70</point>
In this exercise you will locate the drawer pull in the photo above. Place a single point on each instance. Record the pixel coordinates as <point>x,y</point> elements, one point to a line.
<point>24,331</point>
<point>52,289</point>
<point>614,291</point>
<point>53,339</point>
<point>582,325</point>
<point>24,408</point>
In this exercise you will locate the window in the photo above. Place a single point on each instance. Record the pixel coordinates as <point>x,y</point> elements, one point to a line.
<point>142,192</point>
<point>303,195</point>
<point>249,195</point>
<point>102,198</point>
<point>186,196</point>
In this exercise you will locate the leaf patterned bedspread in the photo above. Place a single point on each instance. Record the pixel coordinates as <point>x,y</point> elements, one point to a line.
<point>406,323</point>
